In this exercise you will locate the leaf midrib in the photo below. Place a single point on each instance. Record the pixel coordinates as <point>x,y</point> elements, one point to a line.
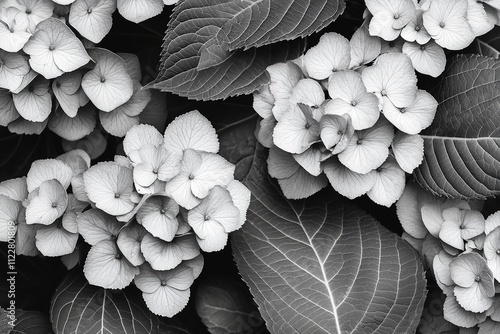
<point>433,137</point>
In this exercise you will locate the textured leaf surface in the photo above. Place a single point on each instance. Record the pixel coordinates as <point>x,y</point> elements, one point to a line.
<point>322,266</point>
<point>32,322</point>
<point>461,147</point>
<point>78,307</point>
<point>215,49</point>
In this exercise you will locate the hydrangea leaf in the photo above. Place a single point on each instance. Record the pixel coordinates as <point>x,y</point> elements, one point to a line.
<point>73,128</point>
<point>92,18</point>
<point>95,225</point>
<point>34,102</point>
<point>191,131</point>
<point>139,10</point>
<point>317,229</point>
<point>460,151</point>
<point>54,49</point>
<point>54,240</point>
<point>165,292</point>
<point>110,187</point>
<point>129,243</point>
<point>97,309</point>
<point>46,203</point>
<point>197,55</point>
<point>43,170</point>
<point>106,267</point>
<point>108,84</point>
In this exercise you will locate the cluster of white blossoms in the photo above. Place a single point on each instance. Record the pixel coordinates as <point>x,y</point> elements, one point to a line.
<point>331,117</point>
<point>421,29</point>
<point>147,215</point>
<point>52,75</point>
<point>459,246</point>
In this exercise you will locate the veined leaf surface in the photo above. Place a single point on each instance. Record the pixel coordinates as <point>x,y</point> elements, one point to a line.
<point>214,49</point>
<point>462,145</point>
<point>321,265</point>
<point>79,307</point>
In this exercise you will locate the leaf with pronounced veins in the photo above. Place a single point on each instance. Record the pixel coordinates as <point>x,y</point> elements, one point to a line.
<point>461,155</point>
<point>32,322</point>
<point>79,306</point>
<point>293,255</point>
<point>108,84</point>
<point>73,128</point>
<point>54,49</point>
<point>201,57</point>
<point>93,25</point>
<point>34,103</point>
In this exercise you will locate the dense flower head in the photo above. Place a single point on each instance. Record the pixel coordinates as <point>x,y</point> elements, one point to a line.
<point>147,216</point>
<point>461,249</point>
<point>334,116</point>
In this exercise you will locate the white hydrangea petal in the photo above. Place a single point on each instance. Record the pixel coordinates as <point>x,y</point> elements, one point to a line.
<point>139,10</point>
<point>408,150</point>
<point>446,21</point>
<point>95,225</point>
<point>92,18</point>
<point>43,170</point>
<point>191,131</point>
<point>49,203</point>
<point>492,222</point>
<point>166,301</point>
<point>158,216</point>
<point>308,92</point>
<point>389,184</point>
<point>161,255</point>
<point>241,198</point>
<point>139,136</point>
<point>454,313</point>
<point>14,30</point>
<point>364,47</point>
<point>332,53</point>
<point>54,240</point>
<point>107,268</point>
<point>427,59</point>
<point>34,103</point>
<point>478,18</point>
<point>415,30</point>
<point>263,101</point>
<point>346,182</point>
<point>73,128</point>
<point>15,189</point>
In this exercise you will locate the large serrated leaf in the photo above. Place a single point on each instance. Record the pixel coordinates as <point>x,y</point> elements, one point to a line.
<point>462,145</point>
<point>214,49</point>
<point>321,265</point>
<point>78,307</point>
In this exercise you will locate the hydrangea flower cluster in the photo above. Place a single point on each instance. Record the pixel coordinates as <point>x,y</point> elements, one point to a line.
<point>51,78</point>
<point>361,137</point>
<point>421,29</point>
<point>147,215</point>
<point>462,250</point>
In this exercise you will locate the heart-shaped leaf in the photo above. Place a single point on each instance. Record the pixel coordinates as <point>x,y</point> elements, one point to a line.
<point>461,147</point>
<point>79,307</point>
<point>321,265</point>
<point>215,49</point>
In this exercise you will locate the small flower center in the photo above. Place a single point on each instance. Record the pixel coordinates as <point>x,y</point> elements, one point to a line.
<point>498,251</point>
<point>163,282</point>
<point>391,44</point>
<point>340,133</point>
<point>103,79</point>
<point>54,205</point>
<point>28,11</point>
<point>207,217</point>
<point>89,10</point>
<point>117,195</point>
<point>396,16</point>
<point>422,48</point>
<point>162,211</point>
<point>354,103</point>
<point>383,92</point>
<point>191,176</point>
<point>118,256</point>
<point>402,110</point>
<point>359,142</point>
<point>307,126</point>
<point>417,28</point>
<point>477,278</point>
<point>51,47</point>
<point>441,24</point>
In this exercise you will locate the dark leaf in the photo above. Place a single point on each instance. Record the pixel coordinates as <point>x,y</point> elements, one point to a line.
<point>461,147</point>
<point>32,322</point>
<point>226,307</point>
<point>321,265</point>
<point>78,307</point>
<point>488,44</point>
<point>215,49</point>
